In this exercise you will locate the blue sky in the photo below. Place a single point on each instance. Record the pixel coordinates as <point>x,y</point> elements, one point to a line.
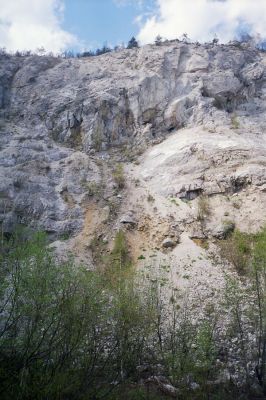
<point>99,21</point>
<point>59,25</point>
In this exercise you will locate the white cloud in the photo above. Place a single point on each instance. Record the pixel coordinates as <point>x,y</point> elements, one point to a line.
<point>31,24</point>
<point>202,19</point>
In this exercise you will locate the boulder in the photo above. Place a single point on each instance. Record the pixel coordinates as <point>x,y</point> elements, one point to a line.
<point>169,243</point>
<point>224,230</point>
<point>197,233</point>
<point>128,219</point>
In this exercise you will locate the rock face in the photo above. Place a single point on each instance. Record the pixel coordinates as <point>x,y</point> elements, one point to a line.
<point>56,115</point>
<point>166,143</point>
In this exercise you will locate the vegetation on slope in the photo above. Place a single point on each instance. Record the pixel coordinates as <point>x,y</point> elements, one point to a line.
<point>70,333</point>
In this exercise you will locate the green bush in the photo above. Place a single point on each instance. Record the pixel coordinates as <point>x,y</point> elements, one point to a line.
<point>235,122</point>
<point>119,176</point>
<point>237,249</point>
<point>69,333</point>
<point>97,139</point>
<point>204,209</point>
<point>93,188</point>
<point>62,333</point>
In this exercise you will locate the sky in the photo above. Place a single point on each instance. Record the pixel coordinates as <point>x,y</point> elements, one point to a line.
<point>79,25</point>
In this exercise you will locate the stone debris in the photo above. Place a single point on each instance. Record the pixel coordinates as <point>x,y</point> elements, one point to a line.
<point>128,219</point>
<point>169,243</point>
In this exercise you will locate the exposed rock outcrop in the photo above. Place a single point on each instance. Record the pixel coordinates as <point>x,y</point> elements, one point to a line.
<point>57,114</point>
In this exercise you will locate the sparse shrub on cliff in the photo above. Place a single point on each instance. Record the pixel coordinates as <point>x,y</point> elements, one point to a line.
<point>119,176</point>
<point>128,153</point>
<point>113,205</point>
<point>118,262</point>
<point>236,204</point>
<point>150,198</point>
<point>236,249</point>
<point>204,209</point>
<point>93,188</point>
<point>235,122</point>
<point>174,201</point>
<point>97,139</point>
<point>120,250</point>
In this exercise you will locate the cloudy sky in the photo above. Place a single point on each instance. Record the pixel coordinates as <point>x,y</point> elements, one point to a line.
<point>58,25</point>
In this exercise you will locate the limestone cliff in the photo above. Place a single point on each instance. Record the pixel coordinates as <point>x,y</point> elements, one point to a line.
<point>185,119</point>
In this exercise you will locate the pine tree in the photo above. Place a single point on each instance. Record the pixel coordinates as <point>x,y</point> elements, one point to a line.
<point>132,43</point>
<point>158,40</point>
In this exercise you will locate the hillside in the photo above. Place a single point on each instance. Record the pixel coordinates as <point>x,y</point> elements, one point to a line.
<point>65,123</point>
<point>166,143</point>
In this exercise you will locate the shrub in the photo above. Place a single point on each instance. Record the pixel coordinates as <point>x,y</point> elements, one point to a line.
<point>97,139</point>
<point>119,176</point>
<point>93,188</point>
<point>204,209</point>
<point>235,122</point>
<point>113,205</point>
<point>120,250</point>
<point>70,333</point>
<point>237,249</point>
<point>174,201</point>
<point>150,198</point>
<point>64,333</point>
<point>228,228</point>
<point>236,204</point>
<point>49,314</point>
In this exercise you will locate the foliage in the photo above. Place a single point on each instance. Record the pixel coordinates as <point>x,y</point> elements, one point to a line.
<point>41,52</point>
<point>103,50</point>
<point>97,139</point>
<point>120,247</point>
<point>113,205</point>
<point>259,281</point>
<point>237,249</point>
<point>132,43</point>
<point>237,204</point>
<point>128,153</point>
<point>119,176</point>
<point>62,334</point>
<point>228,227</point>
<point>174,201</point>
<point>93,188</point>
<point>235,122</point>
<point>204,209</point>
<point>117,265</point>
<point>66,332</point>
<point>247,305</point>
<point>49,318</point>
<point>158,40</point>
<point>150,198</point>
